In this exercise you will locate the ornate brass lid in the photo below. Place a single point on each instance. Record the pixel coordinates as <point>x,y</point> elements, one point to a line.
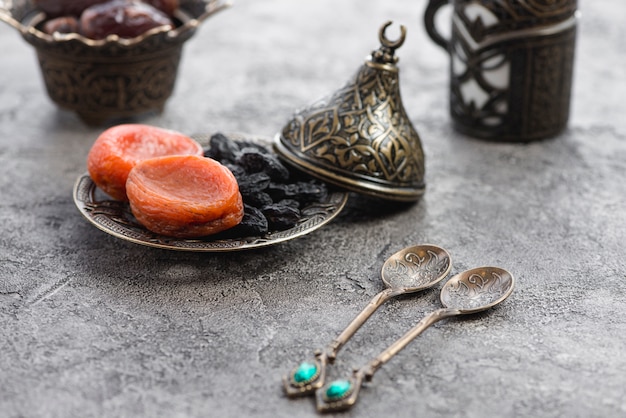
<point>360,137</point>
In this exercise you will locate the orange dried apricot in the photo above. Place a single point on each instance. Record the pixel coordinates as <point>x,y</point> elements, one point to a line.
<point>118,149</point>
<point>184,196</point>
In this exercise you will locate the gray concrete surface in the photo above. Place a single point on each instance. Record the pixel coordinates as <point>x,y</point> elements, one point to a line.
<point>91,326</point>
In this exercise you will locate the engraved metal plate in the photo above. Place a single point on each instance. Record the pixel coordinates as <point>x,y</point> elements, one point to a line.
<point>115,218</point>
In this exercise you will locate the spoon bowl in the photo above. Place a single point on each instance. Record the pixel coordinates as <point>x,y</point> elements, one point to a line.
<point>416,268</point>
<point>476,290</point>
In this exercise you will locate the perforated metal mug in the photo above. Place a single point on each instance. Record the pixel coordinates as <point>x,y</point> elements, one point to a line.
<point>511,65</point>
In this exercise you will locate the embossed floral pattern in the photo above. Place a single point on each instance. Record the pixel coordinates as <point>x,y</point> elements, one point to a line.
<point>415,270</point>
<point>362,129</point>
<point>477,290</point>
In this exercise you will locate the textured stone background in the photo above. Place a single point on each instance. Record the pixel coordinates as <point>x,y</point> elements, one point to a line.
<point>92,326</point>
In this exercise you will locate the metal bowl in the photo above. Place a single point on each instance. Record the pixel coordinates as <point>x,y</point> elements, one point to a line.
<point>113,77</point>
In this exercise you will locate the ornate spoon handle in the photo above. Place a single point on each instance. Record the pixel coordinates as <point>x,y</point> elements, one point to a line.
<point>309,376</point>
<point>376,302</point>
<point>376,363</point>
<point>340,395</point>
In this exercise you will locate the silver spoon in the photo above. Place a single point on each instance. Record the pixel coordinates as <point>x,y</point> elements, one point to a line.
<point>468,292</point>
<point>407,271</point>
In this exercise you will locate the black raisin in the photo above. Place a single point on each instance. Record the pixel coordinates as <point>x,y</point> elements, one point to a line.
<point>311,191</point>
<point>253,183</point>
<point>237,171</point>
<point>290,202</point>
<point>255,161</point>
<point>253,224</point>
<point>222,149</point>
<point>279,191</point>
<point>301,191</point>
<point>258,199</point>
<point>281,216</point>
<point>250,144</point>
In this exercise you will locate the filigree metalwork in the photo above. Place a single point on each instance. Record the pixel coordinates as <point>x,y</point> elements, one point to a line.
<point>360,137</point>
<point>94,90</point>
<point>511,67</point>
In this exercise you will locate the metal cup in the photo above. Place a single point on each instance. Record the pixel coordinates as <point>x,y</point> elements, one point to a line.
<point>511,65</point>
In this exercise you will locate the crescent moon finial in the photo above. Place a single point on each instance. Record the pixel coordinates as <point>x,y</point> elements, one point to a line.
<point>388,43</point>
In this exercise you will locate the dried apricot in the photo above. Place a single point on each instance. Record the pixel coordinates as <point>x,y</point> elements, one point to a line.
<point>184,196</point>
<point>118,149</point>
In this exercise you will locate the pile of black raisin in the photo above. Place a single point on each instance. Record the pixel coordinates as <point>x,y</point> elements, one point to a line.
<point>272,193</point>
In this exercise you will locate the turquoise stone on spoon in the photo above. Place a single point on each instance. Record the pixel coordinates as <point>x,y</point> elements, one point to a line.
<point>305,373</point>
<point>337,390</point>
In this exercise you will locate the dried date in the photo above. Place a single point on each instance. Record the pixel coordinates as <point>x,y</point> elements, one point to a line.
<point>166,6</point>
<point>64,24</point>
<point>55,8</point>
<point>126,19</point>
